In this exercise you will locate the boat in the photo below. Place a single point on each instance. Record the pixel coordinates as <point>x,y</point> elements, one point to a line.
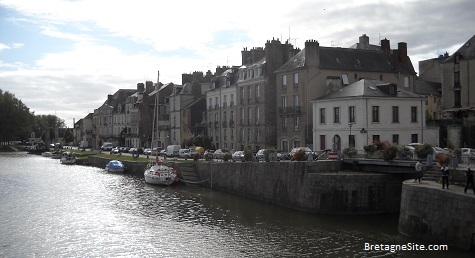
<point>115,166</point>
<point>37,148</point>
<point>56,155</point>
<point>68,158</point>
<point>46,154</point>
<point>158,173</point>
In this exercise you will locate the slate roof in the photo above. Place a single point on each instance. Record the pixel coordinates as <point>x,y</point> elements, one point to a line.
<point>366,88</point>
<point>427,88</point>
<point>467,51</point>
<point>350,59</point>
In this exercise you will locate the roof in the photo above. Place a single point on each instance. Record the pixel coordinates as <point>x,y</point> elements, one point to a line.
<point>367,88</point>
<point>427,88</point>
<point>350,59</point>
<point>467,51</point>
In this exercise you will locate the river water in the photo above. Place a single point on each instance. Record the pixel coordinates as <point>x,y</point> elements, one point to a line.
<point>52,210</point>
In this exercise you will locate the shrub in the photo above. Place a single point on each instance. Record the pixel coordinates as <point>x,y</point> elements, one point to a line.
<point>389,152</point>
<point>270,155</point>
<point>226,156</point>
<point>208,156</point>
<point>350,151</point>
<point>370,149</point>
<point>424,150</point>
<point>248,155</point>
<point>300,155</point>
<point>381,145</point>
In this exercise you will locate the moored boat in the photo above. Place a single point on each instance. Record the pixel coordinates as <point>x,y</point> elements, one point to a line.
<point>56,155</point>
<point>46,154</point>
<point>68,158</point>
<point>115,166</point>
<point>160,174</point>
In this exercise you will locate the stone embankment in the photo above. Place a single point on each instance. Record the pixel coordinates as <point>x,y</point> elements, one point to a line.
<point>441,215</point>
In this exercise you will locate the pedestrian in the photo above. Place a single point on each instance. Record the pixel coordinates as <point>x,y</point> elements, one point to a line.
<point>445,176</point>
<point>418,171</point>
<point>469,175</point>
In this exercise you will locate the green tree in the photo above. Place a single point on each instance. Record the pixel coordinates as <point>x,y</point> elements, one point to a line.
<point>68,136</point>
<point>16,120</point>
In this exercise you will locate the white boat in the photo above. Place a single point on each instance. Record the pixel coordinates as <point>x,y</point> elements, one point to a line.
<point>115,166</point>
<point>46,154</point>
<point>56,155</point>
<point>68,158</point>
<point>159,174</point>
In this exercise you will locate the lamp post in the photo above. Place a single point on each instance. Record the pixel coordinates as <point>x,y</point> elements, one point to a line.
<point>349,139</point>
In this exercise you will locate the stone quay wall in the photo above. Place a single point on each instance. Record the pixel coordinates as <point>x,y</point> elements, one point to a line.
<point>442,216</point>
<point>131,167</point>
<point>316,187</point>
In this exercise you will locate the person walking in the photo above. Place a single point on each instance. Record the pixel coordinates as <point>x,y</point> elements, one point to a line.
<point>469,175</point>
<point>418,171</point>
<point>445,176</point>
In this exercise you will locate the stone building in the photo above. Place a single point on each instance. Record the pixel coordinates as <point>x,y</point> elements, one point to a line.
<point>317,71</point>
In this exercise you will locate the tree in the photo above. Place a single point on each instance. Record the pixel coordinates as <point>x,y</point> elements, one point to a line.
<point>68,136</point>
<point>16,120</point>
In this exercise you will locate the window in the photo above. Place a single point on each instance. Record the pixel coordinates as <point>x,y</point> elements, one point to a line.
<point>375,138</point>
<point>296,79</point>
<point>375,114</point>
<point>322,142</point>
<point>457,79</point>
<point>242,116</point>
<point>336,115</point>
<point>284,101</point>
<point>296,100</point>
<point>257,115</point>
<point>457,98</point>
<point>284,80</point>
<point>285,145</point>
<point>296,124</point>
<point>242,135</point>
<point>351,114</point>
<point>406,81</point>
<point>257,91</point>
<point>284,123</point>
<point>344,79</point>
<point>414,114</point>
<point>232,100</point>
<point>395,114</point>
<point>249,117</point>
<point>396,139</point>
<point>216,102</point>
<point>225,100</point>
<point>414,138</point>
<point>322,115</point>
<point>249,92</point>
<point>297,144</point>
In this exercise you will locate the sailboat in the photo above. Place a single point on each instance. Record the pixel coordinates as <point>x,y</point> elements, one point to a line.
<point>157,172</point>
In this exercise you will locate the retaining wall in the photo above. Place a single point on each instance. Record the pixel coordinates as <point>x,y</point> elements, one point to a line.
<point>442,216</point>
<point>314,187</point>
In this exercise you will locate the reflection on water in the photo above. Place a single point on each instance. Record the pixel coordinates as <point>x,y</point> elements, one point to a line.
<point>52,210</point>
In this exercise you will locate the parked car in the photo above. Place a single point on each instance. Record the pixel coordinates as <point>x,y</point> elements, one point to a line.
<point>283,156</point>
<point>115,150</point>
<point>184,153</point>
<point>238,156</point>
<point>147,152</point>
<point>218,154</point>
<point>163,153</point>
<point>468,152</point>
<point>124,149</point>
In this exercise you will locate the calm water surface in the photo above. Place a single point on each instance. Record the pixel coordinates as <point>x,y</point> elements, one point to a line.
<point>52,210</point>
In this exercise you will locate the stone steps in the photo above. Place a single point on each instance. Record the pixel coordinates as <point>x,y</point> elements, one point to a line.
<point>188,173</point>
<point>432,175</point>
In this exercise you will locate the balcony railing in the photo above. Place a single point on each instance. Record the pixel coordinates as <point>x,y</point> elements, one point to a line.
<point>290,110</point>
<point>225,124</point>
<point>231,123</point>
<point>216,125</point>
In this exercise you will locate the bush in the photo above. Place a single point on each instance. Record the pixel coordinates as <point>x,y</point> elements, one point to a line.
<point>350,151</point>
<point>370,149</point>
<point>424,150</point>
<point>248,155</point>
<point>300,155</point>
<point>208,156</point>
<point>270,155</point>
<point>389,152</point>
<point>226,156</point>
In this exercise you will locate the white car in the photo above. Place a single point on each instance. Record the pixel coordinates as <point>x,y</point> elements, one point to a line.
<point>468,152</point>
<point>184,153</point>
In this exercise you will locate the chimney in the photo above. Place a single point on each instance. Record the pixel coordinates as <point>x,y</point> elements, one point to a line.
<point>385,46</point>
<point>312,53</point>
<point>109,97</point>
<point>158,76</point>
<point>402,51</point>
<point>364,42</point>
<point>245,54</point>
<point>140,87</point>
<point>148,86</point>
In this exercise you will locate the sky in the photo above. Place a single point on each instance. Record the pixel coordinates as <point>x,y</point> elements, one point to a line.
<point>64,57</point>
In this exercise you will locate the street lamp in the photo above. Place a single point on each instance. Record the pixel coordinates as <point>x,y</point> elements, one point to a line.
<point>350,124</point>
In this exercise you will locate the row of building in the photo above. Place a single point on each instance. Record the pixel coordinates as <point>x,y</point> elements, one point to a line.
<point>283,97</point>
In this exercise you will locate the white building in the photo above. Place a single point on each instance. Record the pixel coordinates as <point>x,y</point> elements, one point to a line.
<point>368,111</point>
